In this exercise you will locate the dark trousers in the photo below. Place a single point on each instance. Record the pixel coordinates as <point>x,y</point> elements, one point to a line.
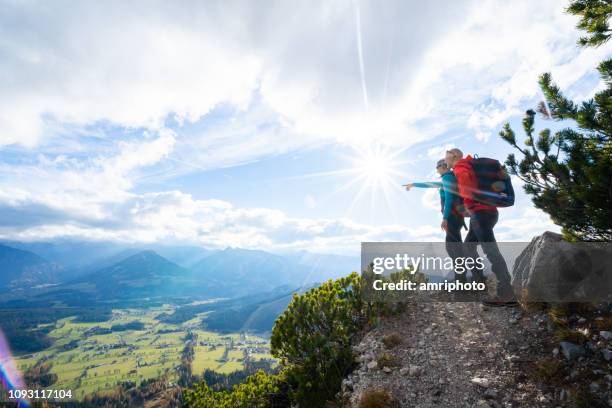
<point>453,243</point>
<point>481,232</point>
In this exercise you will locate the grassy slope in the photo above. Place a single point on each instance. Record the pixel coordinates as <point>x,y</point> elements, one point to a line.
<point>152,353</point>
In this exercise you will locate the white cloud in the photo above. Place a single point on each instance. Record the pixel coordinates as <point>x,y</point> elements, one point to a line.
<point>529,223</point>
<point>431,199</point>
<point>91,199</point>
<point>508,55</point>
<point>134,66</point>
<point>178,217</point>
<point>81,188</point>
<point>81,63</point>
<point>310,201</point>
<point>238,81</point>
<point>428,67</point>
<point>134,155</point>
<point>522,221</point>
<point>438,152</point>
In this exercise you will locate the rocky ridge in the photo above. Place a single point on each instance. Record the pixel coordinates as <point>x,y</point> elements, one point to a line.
<point>470,355</point>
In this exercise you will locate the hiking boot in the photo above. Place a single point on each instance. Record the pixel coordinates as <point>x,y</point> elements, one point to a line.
<point>501,301</point>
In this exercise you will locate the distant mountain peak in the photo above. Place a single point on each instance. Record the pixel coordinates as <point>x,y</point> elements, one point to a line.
<point>25,268</point>
<point>146,259</point>
<point>143,274</point>
<point>146,253</point>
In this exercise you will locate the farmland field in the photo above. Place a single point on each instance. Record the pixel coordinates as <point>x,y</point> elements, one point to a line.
<point>134,346</point>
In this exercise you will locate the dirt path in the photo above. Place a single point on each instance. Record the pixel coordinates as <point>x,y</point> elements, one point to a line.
<point>453,355</point>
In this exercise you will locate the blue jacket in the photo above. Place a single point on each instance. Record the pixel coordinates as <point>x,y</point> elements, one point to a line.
<point>448,192</point>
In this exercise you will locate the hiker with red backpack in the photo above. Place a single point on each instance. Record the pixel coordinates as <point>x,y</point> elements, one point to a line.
<point>452,209</point>
<point>484,186</point>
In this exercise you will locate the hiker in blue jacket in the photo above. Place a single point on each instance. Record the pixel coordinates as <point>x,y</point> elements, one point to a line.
<point>452,210</point>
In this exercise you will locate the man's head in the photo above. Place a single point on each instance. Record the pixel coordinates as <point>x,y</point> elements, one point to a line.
<point>441,166</point>
<point>452,157</point>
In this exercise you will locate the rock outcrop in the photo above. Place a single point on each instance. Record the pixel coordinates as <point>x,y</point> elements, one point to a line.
<point>553,270</point>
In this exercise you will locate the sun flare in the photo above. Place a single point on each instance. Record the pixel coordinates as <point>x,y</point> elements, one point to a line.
<point>377,174</point>
<point>374,173</point>
<point>375,168</point>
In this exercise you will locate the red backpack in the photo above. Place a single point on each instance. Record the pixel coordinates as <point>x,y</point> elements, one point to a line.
<point>494,184</point>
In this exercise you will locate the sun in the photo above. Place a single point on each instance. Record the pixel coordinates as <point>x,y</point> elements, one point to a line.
<point>376,168</point>
<point>373,174</point>
<point>375,171</point>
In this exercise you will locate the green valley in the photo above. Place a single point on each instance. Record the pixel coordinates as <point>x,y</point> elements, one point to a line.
<point>133,346</point>
<point>135,327</point>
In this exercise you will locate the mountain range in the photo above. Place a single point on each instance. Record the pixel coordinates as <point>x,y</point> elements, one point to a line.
<point>99,271</point>
<point>25,269</point>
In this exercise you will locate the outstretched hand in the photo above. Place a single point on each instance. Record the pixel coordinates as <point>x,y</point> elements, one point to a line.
<point>408,186</point>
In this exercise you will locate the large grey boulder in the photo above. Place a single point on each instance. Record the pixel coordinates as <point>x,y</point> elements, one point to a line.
<point>552,270</point>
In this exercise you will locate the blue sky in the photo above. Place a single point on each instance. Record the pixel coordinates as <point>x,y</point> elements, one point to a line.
<point>275,125</point>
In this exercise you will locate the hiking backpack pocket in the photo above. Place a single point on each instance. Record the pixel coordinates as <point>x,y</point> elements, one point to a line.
<point>494,184</point>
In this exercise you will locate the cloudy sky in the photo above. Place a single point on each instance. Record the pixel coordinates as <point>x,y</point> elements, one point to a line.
<point>274,125</point>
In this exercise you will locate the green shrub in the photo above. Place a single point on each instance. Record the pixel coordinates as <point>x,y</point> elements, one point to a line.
<point>573,336</point>
<point>387,360</point>
<point>558,315</point>
<point>550,370</point>
<point>582,397</point>
<point>312,338</point>
<point>604,323</point>
<point>392,340</point>
<point>378,399</point>
<point>258,391</point>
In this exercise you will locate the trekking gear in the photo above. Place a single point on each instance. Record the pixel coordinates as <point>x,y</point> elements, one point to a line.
<point>458,209</point>
<point>494,184</point>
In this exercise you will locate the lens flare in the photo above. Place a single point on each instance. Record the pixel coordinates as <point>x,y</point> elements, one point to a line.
<point>374,173</point>
<point>376,166</point>
<point>9,375</point>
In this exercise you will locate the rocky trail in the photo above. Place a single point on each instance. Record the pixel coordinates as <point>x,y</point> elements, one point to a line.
<point>457,355</point>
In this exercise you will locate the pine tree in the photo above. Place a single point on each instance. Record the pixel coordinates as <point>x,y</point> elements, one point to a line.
<point>569,174</point>
<point>594,20</point>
